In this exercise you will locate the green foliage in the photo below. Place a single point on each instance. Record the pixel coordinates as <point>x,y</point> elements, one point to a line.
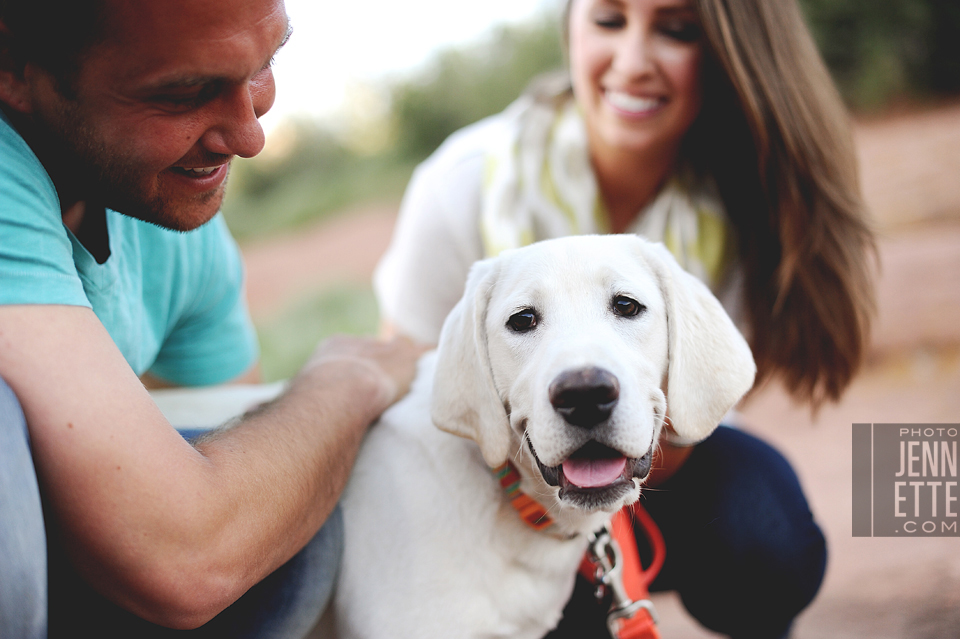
<point>880,50</point>
<point>288,341</point>
<point>464,85</point>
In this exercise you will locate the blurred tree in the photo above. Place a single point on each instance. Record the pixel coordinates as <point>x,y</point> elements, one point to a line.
<point>464,85</point>
<point>943,71</point>
<point>879,50</point>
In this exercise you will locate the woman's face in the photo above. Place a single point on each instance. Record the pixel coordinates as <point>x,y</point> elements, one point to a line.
<point>635,66</point>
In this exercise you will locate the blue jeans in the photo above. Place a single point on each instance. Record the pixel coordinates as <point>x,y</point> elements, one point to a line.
<point>23,543</point>
<point>37,582</point>
<point>743,551</point>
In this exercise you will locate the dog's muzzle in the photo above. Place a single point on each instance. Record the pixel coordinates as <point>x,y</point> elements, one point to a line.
<point>611,489</point>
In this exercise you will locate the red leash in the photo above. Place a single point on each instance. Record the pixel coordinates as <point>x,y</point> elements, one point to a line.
<point>613,562</point>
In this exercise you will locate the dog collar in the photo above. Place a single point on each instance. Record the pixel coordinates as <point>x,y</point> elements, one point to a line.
<point>530,510</point>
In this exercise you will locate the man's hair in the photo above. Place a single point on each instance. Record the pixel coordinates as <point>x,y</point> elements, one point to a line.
<point>52,34</point>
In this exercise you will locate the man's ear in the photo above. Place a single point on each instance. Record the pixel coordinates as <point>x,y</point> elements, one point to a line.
<point>14,88</point>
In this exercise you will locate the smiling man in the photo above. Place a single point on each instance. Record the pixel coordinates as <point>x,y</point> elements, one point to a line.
<point>118,122</point>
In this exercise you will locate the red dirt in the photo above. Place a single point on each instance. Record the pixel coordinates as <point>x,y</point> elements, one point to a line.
<point>875,588</point>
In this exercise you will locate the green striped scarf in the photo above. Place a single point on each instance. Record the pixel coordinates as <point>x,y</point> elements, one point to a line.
<point>538,184</point>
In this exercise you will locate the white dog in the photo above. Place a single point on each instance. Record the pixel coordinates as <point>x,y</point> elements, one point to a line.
<point>563,357</point>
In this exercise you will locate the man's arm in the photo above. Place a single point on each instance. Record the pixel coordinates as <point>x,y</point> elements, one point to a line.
<point>172,532</point>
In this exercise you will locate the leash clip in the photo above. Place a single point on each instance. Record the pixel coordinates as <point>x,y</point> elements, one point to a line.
<point>604,552</point>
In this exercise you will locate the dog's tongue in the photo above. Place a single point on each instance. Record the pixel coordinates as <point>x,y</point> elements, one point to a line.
<point>590,473</point>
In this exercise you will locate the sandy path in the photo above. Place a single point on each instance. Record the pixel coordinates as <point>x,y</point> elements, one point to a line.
<point>881,588</point>
<point>344,250</point>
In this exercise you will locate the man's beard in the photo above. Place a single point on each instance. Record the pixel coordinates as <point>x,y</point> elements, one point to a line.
<point>81,161</point>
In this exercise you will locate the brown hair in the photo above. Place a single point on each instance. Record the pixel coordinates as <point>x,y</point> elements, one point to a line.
<point>53,34</point>
<point>793,194</point>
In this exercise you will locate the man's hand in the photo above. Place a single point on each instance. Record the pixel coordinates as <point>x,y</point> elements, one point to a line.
<point>391,362</point>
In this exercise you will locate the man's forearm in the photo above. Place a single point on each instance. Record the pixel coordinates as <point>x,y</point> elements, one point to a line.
<point>271,482</point>
<point>169,531</point>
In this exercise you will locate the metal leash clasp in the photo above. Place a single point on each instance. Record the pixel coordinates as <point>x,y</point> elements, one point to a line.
<point>606,555</point>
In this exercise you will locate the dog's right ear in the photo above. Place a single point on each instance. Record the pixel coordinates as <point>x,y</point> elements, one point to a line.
<point>465,400</point>
<point>710,363</point>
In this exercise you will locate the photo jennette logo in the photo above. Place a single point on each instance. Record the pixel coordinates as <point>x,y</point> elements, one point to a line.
<point>905,480</point>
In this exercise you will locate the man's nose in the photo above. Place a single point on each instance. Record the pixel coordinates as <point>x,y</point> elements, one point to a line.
<point>236,128</point>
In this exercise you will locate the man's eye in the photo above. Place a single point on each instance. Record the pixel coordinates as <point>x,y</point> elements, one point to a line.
<point>626,307</point>
<point>523,321</point>
<point>187,99</point>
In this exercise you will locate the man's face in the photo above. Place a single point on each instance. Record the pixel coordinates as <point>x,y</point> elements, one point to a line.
<point>162,104</point>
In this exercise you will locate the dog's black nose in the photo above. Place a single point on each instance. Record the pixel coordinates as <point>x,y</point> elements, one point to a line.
<point>585,397</point>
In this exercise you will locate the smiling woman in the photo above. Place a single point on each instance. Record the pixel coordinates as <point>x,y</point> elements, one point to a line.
<point>635,69</point>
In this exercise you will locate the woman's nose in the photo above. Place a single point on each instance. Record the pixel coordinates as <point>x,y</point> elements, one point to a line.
<point>634,55</point>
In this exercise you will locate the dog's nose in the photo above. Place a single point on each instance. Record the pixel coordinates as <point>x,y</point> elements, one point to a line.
<point>585,397</point>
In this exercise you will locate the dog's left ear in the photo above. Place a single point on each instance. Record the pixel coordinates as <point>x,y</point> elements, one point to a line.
<point>465,399</point>
<point>710,363</point>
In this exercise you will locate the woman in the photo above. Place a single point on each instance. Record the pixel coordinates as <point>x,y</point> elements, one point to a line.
<point>712,126</point>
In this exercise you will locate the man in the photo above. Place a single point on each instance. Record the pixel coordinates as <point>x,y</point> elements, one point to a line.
<point>119,120</point>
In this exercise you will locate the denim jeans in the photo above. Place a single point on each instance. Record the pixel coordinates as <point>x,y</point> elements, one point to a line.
<point>23,542</point>
<point>38,584</point>
<point>743,551</point>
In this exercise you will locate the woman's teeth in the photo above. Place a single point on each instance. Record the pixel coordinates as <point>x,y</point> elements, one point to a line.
<point>631,103</point>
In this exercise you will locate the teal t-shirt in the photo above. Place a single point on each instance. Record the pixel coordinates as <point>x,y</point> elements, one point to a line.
<point>172,302</point>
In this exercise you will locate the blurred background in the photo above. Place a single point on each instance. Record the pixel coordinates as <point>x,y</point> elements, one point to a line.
<point>368,90</point>
<point>365,92</point>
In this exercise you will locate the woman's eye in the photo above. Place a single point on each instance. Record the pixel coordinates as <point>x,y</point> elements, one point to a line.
<point>626,307</point>
<point>681,30</point>
<point>609,20</point>
<point>523,321</point>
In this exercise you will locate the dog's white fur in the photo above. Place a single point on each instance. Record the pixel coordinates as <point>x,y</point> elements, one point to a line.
<point>432,547</point>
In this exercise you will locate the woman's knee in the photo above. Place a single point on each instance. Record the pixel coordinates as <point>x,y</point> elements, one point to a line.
<point>744,551</point>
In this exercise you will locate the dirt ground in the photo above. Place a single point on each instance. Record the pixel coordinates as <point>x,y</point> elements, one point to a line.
<point>875,588</point>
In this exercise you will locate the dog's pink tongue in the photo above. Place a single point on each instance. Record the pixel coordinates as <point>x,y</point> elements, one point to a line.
<point>590,473</point>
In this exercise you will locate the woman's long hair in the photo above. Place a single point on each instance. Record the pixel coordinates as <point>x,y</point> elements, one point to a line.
<point>793,194</point>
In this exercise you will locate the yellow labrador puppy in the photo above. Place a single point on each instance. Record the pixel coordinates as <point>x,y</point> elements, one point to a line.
<point>563,357</point>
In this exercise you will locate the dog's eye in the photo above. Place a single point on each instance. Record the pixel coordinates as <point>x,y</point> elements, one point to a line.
<point>626,307</point>
<point>523,321</point>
